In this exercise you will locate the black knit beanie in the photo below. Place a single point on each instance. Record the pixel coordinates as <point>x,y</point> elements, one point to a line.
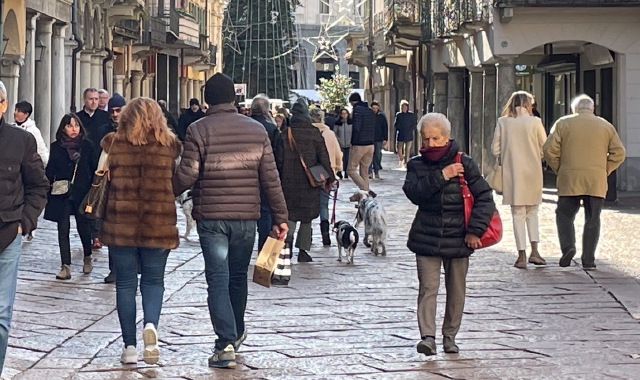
<point>219,89</point>
<point>300,112</point>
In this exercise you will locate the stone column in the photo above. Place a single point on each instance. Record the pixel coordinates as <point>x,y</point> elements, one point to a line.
<point>96,71</point>
<point>455,106</point>
<point>506,79</point>
<point>9,75</point>
<point>476,107</point>
<point>386,104</point>
<point>69,46</point>
<point>27,85</point>
<point>57,77</point>
<point>109,85</point>
<point>440,84</point>
<point>190,94</point>
<point>184,101</point>
<point>118,84</point>
<point>196,89</point>
<point>489,116</point>
<point>42,109</point>
<point>146,85</point>
<point>85,73</point>
<point>136,83</point>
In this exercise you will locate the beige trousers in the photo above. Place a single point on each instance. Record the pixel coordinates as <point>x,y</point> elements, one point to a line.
<point>404,151</point>
<point>360,158</point>
<point>525,219</point>
<point>455,279</point>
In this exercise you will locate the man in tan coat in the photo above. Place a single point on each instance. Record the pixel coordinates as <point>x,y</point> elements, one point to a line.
<point>583,150</point>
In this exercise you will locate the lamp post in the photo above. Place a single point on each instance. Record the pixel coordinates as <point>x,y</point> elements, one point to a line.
<point>370,46</point>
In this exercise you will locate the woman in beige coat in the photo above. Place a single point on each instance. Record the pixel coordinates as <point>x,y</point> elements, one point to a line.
<point>517,142</point>
<point>335,155</point>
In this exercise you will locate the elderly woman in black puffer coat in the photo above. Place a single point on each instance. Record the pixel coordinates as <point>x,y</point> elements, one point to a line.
<point>438,235</point>
<point>301,138</point>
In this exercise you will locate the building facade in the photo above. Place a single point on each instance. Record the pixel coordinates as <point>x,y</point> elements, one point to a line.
<point>54,49</point>
<point>464,58</point>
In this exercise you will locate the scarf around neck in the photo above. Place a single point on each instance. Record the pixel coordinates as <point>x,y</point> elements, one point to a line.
<point>72,145</point>
<point>436,153</point>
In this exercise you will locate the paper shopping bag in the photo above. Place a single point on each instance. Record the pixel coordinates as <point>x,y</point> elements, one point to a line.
<point>267,261</point>
<point>282,273</point>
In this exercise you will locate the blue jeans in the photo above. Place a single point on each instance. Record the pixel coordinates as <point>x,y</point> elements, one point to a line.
<point>9,260</point>
<point>264,223</point>
<point>324,205</point>
<point>227,246</point>
<point>345,159</point>
<point>152,264</point>
<point>376,164</point>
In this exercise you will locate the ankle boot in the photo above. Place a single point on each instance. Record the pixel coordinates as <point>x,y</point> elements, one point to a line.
<point>521,263</point>
<point>324,229</point>
<point>303,257</point>
<point>535,257</point>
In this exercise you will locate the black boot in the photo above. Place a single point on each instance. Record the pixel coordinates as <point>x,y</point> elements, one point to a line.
<point>303,257</point>
<point>324,229</point>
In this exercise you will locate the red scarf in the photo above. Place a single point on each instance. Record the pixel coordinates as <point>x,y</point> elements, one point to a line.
<point>436,153</point>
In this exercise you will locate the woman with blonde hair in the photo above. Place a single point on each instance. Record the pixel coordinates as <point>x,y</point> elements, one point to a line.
<point>139,225</point>
<point>517,143</point>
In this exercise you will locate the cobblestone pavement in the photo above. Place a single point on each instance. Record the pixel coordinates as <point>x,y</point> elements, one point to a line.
<point>350,322</point>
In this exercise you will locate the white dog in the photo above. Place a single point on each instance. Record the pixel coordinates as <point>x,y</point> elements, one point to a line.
<point>186,202</point>
<point>370,212</point>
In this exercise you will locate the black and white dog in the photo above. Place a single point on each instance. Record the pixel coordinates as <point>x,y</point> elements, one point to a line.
<point>186,202</point>
<point>370,212</point>
<point>347,238</point>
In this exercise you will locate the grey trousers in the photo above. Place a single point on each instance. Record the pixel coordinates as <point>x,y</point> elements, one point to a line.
<point>455,277</point>
<point>303,240</point>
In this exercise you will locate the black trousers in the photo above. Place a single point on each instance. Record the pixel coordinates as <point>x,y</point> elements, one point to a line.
<point>565,216</point>
<point>83,225</point>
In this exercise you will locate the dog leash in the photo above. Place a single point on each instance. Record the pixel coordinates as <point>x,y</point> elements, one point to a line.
<point>335,199</point>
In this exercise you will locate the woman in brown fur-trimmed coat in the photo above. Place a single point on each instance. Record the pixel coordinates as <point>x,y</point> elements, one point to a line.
<point>139,226</point>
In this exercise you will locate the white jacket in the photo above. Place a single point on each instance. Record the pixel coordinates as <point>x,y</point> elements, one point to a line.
<point>43,151</point>
<point>333,147</point>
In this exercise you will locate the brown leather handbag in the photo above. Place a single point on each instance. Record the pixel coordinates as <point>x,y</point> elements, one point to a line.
<point>94,204</point>
<point>316,174</point>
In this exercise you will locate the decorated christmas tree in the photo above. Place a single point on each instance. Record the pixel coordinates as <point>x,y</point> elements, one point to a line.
<point>259,45</point>
<point>334,91</point>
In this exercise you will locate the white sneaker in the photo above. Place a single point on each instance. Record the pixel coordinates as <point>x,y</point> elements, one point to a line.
<point>129,355</point>
<point>151,352</point>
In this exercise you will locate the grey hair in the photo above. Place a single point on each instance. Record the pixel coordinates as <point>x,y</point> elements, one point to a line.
<point>435,119</point>
<point>3,92</point>
<point>103,91</point>
<point>582,102</point>
<point>317,115</point>
<point>260,105</point>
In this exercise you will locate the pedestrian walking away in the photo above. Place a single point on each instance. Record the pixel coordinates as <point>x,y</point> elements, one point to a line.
<point>23,195</point>
<point>302,142</point>
<point>140,219</point>
<point>517,143</point>
<point>260,113</point>
<point>344,130</point>
<point>335,156</point>
<point>70,172</point>
<point>405,125</point>
<point>381,136</point>
<point>582,150</point>
<point>227,159</point>
<point>438,235</point>
<point>362,143</point>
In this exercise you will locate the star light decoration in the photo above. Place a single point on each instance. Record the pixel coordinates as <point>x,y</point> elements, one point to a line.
<point>341,13</point>
<point>231,33</point>
<point>324,45</point>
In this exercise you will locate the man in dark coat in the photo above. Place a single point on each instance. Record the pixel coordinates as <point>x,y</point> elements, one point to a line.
<point>330,119</point>
<point>362,142</point>
<point>190,115</point>
<point>260,112</point>
<point>172,123</point>
<point>382,134</point>
<point>23,195</point>
<point>302,140</point>
<point>93,120</point>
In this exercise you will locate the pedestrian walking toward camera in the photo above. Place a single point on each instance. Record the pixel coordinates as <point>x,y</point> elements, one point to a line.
<point>438,235</point>
<point>227,159</point>
<point>140,219</point>
<point>405,124</point>
<point>103,99</point>
<point>381,136</point>
<point>190,116</point>
<point>343,130</point>
<point>362,143</point>
<point>23,195</point>
<point>517,143</point>
<point>335,156</point>
<point>583,150</point>
<point>70,172</point>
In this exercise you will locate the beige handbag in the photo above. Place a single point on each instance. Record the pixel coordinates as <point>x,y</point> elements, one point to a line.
<point>494,177</point>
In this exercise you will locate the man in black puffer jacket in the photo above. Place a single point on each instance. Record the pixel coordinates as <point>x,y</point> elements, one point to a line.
<point>438,234</point>
<point>362,142</point>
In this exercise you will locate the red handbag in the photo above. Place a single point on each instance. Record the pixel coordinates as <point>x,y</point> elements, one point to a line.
<point>493,234</point>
